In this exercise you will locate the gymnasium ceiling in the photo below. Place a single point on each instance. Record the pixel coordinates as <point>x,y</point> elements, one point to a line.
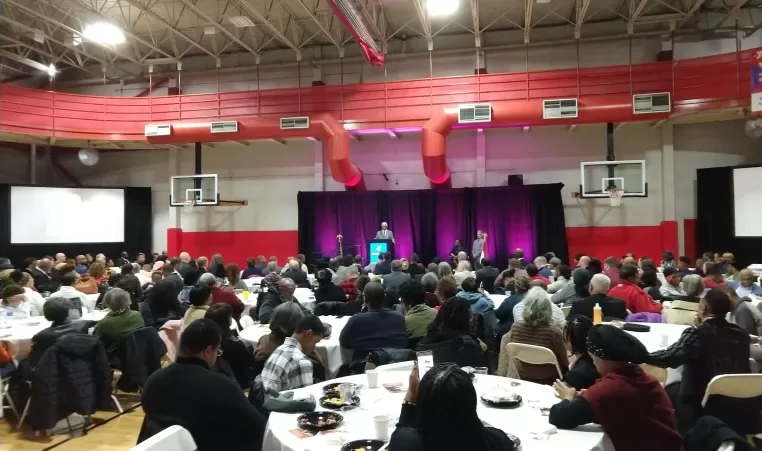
<point>234,33</point>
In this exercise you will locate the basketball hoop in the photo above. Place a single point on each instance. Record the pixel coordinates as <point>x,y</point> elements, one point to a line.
<point>188,206</point>
<point>615,194</point>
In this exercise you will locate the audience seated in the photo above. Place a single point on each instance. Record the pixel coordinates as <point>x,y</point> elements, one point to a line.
<point>534,274</point>
<point>189,394</point>
<point>535,327</point>
<point>130,283</point>
<point>683,309</point>
<point>429,282</point>
<point>119,321</point>
<point>295,273</point>
<point>650,284</point>
<point>582,372</point>
<point>445,270</point>
<point>415,268</point>
<point>418,315</point>
<point>449,336</point>
<point>33,299</point>
<point>236,360</point>
<point>384,264</point>
<point>162,305</point>
<point>67,291</point>
<point>562,279</point>
<point>559,319</point>
<point>570,291</point>
<point>636,300</point>
<point>611,267</point>
<point>684,266</point>
<point>745,285</point>
<point>394,280</point>
<point>275,296</point>
<point>594,267</point>
<point>235,282</point>
<point>14,302</point>
<point>288,368</point>
<point>439,413</point>
<point>713,275</point>
<point>326,290</point>
<point>56,311</point>
<point>172,275</point>
<point>485,277</point>
<point>581,285</point>
<point>611,308</point>
<point>345,262</point>
<point>672,288</point>
<point>504,312</point>
<point>375,329</point>
<point>349,286</point>
<point>221,295</point>
<point>253,268</point>
<point>90,281</point>
<point>200,298</point>
<point>480,302</point>
<point>743,313</point>
<point>713,348</point>
<point>463,272</point>
<point>43,280</point>
<point>631,406</point>
<point>189,281</point>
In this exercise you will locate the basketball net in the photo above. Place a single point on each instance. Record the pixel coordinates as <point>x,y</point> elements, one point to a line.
<point>188,206</point>
<point>615,195</point>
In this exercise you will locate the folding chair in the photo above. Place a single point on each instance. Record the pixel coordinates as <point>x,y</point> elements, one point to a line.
<point>534,355</point>
<point>5,396</point>
<point>734,386</point>
<point>174,438</point>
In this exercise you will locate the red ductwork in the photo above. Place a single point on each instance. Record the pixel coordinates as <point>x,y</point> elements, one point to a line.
<point>324,126</point>
<point>347,11</point>
<point>591,110</point>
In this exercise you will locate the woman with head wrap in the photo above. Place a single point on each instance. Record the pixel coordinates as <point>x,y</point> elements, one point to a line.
<point>439,413</point>
<point>631,406</point>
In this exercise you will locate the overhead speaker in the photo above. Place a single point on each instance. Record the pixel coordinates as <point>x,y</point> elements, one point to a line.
<point>88,157</point>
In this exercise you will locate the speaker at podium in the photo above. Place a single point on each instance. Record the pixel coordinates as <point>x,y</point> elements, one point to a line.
<point>376,248</point>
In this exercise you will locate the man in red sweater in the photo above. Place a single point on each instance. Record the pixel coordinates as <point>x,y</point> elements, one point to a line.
<point>222,295</point>
<point>634,297</point>
<point>534,274</point>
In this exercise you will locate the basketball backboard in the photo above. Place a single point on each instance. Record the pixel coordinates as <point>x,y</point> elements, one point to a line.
<point>202,189</point>
<point>597,177</point>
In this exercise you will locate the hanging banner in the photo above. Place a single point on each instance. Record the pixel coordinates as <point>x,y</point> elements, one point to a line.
<point>756,82</point>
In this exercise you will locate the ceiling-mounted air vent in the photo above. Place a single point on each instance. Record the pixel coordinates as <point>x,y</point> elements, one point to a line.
<point>472,113</point>
<point>290,123</point>
<point>158,130</point>
<point>651,103</point>
<point>224,127</point>
<point>559,109</point>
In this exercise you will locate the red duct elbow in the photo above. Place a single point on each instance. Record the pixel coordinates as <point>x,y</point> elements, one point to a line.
<point>597,109</point>
<point>324,126</point>
<point>348,12</point>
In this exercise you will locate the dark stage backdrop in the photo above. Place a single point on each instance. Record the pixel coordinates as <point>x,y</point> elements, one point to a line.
<point>428,222</point>
<point>138,230</point>
<point>715,230</point>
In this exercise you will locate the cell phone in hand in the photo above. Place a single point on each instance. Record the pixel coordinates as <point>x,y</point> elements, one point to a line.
<point>425,362</point>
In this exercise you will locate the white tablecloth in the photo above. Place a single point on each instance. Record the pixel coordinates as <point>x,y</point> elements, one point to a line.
<point>256,281</point>
<point>498,299</point>
<point>328,348</point>
<point>20,333</point>
<point>522,422</point>
<point>305,296</point>
<point>652,339</point>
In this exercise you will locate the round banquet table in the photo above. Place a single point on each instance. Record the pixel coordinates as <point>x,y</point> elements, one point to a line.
<point>305,296</point>
<point>328,348</point>
<point>652,339</point>
<point>20,333</point>
<point>524,422</point>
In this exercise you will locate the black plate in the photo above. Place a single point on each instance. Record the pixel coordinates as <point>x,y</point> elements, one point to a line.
<point>318,421</point>
<point>334,387</point>
<point>355,401</point>
<point>503,404</point>
<point>369,445</point>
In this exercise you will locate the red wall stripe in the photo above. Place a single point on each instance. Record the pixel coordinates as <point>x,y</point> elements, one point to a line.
<point>669,239</point>
<point>602,242</point>
<point>689,238</point>
<point>235,246</point>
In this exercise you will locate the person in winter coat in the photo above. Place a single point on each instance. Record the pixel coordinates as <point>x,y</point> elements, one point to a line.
<point>480,302</point>
<point>636,300</point>
<point>449,336</point>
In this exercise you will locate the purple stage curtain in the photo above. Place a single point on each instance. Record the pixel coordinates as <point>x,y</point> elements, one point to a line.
<point>428,222</point>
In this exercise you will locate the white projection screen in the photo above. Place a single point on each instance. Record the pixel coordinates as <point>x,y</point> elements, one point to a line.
<point>747,201</point>
<point>41,215</point>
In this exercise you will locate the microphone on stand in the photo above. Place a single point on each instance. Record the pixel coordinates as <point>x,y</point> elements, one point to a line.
<point>341,246</point>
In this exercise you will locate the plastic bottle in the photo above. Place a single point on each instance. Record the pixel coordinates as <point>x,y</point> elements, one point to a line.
<point>597,314</point>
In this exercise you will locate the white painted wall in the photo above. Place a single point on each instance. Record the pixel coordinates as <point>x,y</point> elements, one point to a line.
<point>269,175</point>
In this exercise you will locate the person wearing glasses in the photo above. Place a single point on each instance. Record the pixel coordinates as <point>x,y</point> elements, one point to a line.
<point>189,393</point>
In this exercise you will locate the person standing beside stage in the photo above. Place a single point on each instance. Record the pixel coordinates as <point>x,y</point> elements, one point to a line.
<point>385,233</point>
<point>477,249</point>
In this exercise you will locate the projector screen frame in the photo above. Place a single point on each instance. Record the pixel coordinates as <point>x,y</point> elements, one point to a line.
<point>29,185</point>
<point>733,198</point>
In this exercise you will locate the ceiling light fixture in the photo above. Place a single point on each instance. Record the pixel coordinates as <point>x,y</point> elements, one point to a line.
<point>52,70</point>
<point>439,8</point>
<point>241,22</point>
<point>104,33</point>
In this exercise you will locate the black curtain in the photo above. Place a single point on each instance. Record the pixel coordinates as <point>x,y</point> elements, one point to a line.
<point>138,230</point>
<point>428,222</point>
<point>715,228</point>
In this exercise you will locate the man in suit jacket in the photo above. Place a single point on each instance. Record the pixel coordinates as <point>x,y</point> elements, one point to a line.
<point>395,279</point>
<point>295,273</point>
<point>41,276</point>
<point>171,274</point>
<point>384,265</point>
<point>487,275</point>
<point>477,249</point>
<point>385,233</point>
<point>611,308</point>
